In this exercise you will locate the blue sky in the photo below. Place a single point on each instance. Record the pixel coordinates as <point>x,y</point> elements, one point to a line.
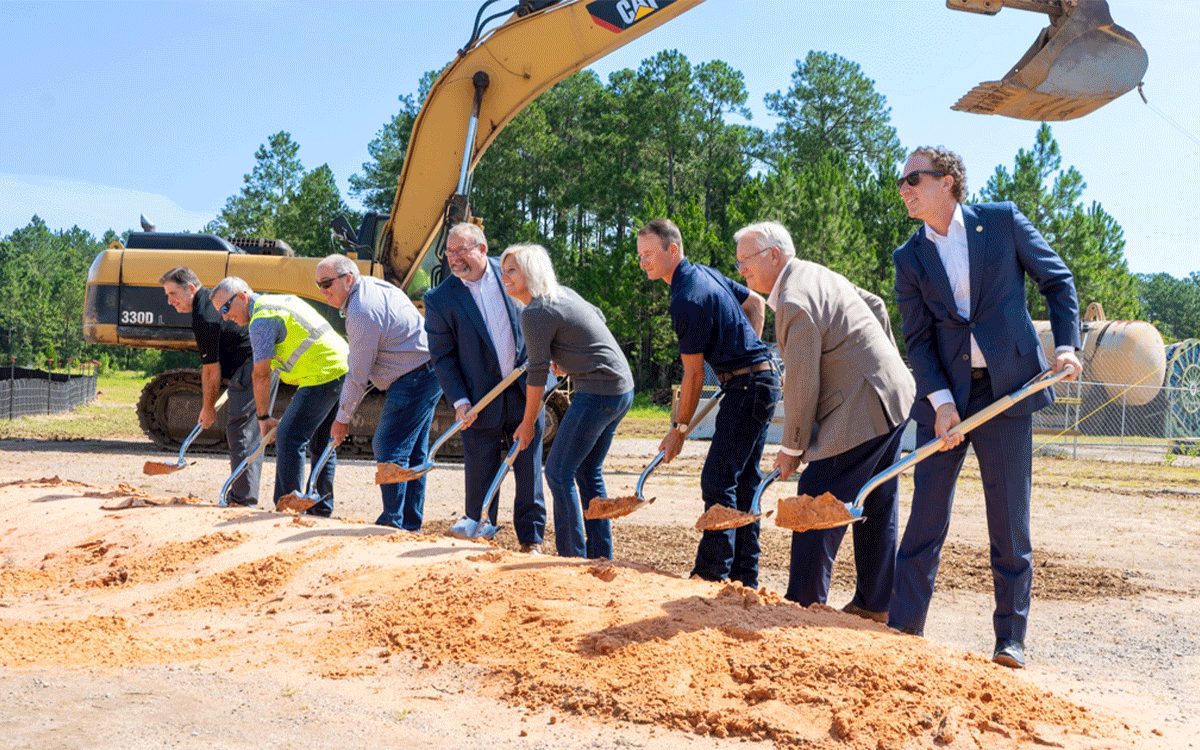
<point>115,108</point>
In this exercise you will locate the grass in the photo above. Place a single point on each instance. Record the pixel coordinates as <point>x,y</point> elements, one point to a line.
<point>645,419</point>
<point>112,414</point>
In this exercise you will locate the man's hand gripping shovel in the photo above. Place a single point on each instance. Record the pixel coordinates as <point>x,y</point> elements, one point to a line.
<point>617,507</point>
<point>807,513</point>
<point>388,473</point>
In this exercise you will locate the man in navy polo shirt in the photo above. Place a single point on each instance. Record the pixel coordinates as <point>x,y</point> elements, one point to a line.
<point>718,321</point>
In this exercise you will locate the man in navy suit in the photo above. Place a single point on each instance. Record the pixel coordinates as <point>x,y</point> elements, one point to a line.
<point>475,342</point>
<point>960,284</point>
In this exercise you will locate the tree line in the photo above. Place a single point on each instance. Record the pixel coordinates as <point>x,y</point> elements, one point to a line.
<point>591,160</point>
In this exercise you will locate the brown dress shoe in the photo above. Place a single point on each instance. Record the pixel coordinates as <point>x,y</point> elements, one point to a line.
<point>531,549</point>
<point>869,614</point>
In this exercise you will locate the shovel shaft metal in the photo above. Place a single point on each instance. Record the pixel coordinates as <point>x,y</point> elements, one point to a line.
<point>755,504</point>
<point>1039,383</point>
<point>697,418</point>
<point>257,454</point>
<point>187,442</point>
<point>316,472</point>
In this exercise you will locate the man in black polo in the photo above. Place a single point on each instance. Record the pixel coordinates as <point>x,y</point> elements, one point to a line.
<point>224,356</point>
<point>718,321</point>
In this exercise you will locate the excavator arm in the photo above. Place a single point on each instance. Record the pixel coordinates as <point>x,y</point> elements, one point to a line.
<point>494,77</point>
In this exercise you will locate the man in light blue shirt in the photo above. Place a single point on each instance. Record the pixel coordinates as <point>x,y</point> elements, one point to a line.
<point>388,349</point>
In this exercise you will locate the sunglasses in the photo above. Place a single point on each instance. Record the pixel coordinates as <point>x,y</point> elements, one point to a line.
<point>224,309</point>
<point>326,283</point>
<point>914,177</point>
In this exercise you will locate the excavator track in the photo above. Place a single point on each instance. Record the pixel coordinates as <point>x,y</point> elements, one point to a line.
<point>170,405</point>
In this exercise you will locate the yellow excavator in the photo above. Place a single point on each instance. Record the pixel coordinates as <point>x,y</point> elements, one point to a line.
<point>1081,61</point>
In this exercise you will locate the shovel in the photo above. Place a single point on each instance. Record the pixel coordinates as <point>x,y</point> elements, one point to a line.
<point>468,528</point>
<point>722,517</point>
<point>388,473</point>
<point>156,468</point>
<point>617,507</point>
<point>807,513</point>
<point>257,454</point>
<point>301,503</point>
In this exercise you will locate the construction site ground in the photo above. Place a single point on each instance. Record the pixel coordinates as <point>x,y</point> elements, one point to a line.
<point>179,624</point>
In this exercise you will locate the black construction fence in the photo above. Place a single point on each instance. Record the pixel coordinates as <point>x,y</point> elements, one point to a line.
<point>25,391</point>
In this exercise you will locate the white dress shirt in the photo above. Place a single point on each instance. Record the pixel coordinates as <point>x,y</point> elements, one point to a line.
<point>489,298</point>
<point>956,259</point>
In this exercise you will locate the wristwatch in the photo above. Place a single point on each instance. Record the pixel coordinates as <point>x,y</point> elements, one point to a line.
<point>263,417</point>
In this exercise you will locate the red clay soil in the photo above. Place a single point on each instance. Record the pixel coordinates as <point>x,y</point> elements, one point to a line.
<point>626,642</point>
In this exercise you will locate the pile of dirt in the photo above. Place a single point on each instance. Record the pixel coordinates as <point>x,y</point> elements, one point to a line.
<point>93,641</point>
<point>619,641</point>
<point>246,584</point>
<point>165,560</point>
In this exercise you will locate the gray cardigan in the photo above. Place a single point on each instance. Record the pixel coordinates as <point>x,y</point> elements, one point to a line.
<point>572,332</point>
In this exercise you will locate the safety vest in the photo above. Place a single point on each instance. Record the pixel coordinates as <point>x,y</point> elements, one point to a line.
<point>312,353</point>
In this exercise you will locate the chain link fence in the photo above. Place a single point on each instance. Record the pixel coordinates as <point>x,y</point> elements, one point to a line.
<point>1142,416</point>
<point>25,392</point>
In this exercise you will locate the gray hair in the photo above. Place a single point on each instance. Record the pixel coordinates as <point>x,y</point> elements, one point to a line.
<point>231,285</point>
<point>339,263</point>
<point>181,275</point>
<point>534,262</point>
<point>768,234</point>
<point>470,231</point>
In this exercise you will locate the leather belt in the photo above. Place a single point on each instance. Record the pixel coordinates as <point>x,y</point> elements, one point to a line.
<point>723,377</point>
<point>978,373</point>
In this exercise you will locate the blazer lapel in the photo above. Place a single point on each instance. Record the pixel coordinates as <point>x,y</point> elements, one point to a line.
<point>927,253</point>
<point>975,243</point>
<point>467,302</point>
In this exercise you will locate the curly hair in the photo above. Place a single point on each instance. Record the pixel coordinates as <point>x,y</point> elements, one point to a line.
<point>945,160</point>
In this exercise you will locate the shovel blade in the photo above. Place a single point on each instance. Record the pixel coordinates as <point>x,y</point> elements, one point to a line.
<point>607,508</point>
<point>157,468</point>
<point>392,473</point>
<point>294,503</point>
<point>464,528</point>
<point>808,513</point>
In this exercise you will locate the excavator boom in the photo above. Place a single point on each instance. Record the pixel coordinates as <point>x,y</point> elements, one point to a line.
<point>505,70</point>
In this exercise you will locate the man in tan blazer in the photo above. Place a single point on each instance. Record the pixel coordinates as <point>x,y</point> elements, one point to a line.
<point>846,396</point>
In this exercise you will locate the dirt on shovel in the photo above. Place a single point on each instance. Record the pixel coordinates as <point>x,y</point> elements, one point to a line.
<point>393,473</point>
<point>158,468</point>
<point>808,513</point>
<point>723,518</point>
<point>607,508</point>
<point>294,503</point>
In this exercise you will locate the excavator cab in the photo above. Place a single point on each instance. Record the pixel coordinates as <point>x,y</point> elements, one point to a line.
<point>1079,63</point>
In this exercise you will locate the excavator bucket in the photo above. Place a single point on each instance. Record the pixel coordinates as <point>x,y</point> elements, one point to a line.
<point>1079,63</point>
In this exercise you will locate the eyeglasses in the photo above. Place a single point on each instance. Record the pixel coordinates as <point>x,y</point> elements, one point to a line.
<point>326,283</point>
<point>914,177</point>
<point>743,262</point>
<point>224,309</point>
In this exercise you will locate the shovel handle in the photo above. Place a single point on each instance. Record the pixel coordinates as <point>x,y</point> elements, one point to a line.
<point>697,418</point>
<point>187,442</point>
<point>1039,383</point>
<point>257,454</point>
<point>330,447</point>
<point>509,459</point>
<point>477,407</point>
<point>766,482</point>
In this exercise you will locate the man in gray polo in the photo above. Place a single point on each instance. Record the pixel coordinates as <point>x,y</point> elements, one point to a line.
<point>388,349</point>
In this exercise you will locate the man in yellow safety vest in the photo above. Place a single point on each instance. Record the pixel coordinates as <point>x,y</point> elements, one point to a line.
<point>291,338</point>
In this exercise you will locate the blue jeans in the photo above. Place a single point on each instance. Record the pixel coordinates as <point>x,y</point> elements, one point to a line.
<point>302,435</point>
<point>402,438</point>
<point>731,475</point>
<point>580,445</point>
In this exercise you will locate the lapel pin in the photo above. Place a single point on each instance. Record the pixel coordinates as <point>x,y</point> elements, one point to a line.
<point>978,227</point>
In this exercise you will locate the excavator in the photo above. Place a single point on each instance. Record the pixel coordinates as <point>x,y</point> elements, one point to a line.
<point>1078,63</point>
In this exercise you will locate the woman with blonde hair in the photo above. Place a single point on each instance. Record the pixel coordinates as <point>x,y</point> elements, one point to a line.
<point>561,327</point>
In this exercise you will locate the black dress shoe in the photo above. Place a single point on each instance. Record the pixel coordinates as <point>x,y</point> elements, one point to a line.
<point>863,612</point>
<point>1009,653</point>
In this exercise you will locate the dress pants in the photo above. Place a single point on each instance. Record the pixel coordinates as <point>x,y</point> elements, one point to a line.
<point>813,552</point>
<point>1004,449</point>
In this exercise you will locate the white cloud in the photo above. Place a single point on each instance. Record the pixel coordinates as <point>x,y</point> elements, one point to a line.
<point>63,203</point>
